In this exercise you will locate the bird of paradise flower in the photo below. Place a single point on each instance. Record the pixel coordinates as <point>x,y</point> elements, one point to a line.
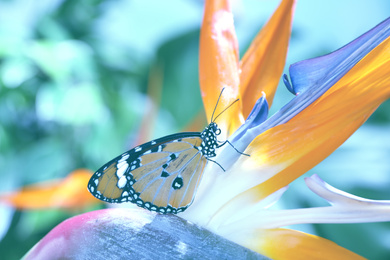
<point>234,203</point>
<point>294,139</point>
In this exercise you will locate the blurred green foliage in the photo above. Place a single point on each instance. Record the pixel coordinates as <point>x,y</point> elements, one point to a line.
<point>74,77</point>
<point>72,94</point>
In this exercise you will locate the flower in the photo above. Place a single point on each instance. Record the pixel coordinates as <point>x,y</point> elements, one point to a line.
<point>335,94</point>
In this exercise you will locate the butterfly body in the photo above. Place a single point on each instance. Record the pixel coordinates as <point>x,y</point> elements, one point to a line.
<point>161,175</point>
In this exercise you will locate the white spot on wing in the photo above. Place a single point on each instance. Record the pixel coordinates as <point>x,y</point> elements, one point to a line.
<point>124,158</point>
<point>122,182</point>
<point>121,164</point>
<point>137,149</point>
<point>121,169</point>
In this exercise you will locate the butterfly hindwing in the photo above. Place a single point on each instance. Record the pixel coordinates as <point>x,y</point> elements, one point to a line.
<point>161,175</point>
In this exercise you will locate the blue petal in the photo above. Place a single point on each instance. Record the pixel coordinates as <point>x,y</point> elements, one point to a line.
<point>288,84</point>
<point>257,116</point>
<point>259,112</point>
<point>312,78</point>
<point>330,68</point>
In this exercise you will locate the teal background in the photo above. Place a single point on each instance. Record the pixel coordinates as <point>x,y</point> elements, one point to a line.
<point>73,84</point>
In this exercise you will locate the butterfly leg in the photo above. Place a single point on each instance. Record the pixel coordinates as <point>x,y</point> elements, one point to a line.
<point>227,141</point>
<point>216,163</point>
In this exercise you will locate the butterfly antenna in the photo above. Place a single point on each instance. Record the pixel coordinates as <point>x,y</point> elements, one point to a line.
<point>225,109</point>
<point>220,94</point>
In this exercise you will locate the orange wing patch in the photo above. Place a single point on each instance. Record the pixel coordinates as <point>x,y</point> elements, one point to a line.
<point>108,182</point>
<point>192,175</point>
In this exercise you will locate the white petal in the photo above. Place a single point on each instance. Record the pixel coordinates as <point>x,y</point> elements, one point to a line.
<point>338,197</point>
<point>346,208</point>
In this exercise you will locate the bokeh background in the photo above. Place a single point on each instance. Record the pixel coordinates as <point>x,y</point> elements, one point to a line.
<point>77,78</point>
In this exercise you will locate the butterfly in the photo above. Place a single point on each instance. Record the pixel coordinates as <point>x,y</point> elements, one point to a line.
<point>161,175</point>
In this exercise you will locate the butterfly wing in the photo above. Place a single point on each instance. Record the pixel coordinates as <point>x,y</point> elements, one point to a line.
<point>161,175</point>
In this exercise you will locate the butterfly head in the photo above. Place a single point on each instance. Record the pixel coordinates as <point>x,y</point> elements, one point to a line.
<point>214,128</point>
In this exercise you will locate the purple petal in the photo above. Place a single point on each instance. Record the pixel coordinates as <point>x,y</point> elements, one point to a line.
<point>120,233</point>
<point>328,69</point>
<point>288,84</point>
<point>257,116</point>
<point>312,78</point>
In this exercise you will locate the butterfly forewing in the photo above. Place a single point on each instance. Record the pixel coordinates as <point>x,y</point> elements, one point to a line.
<point>191,178</point>
<point>182,181</point>
<point>161,175</point>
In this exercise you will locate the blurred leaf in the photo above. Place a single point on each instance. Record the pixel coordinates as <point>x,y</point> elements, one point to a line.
<point>181,95</point>
<point>77,105</point>
<point>63,60</point>
<point>16,71</point>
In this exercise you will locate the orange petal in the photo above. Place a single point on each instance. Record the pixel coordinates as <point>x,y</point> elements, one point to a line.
<point>291,244</point>
<point>298,145</point>
<point>218,64</point>
<point>263,63</point>
<point>70,192</point>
